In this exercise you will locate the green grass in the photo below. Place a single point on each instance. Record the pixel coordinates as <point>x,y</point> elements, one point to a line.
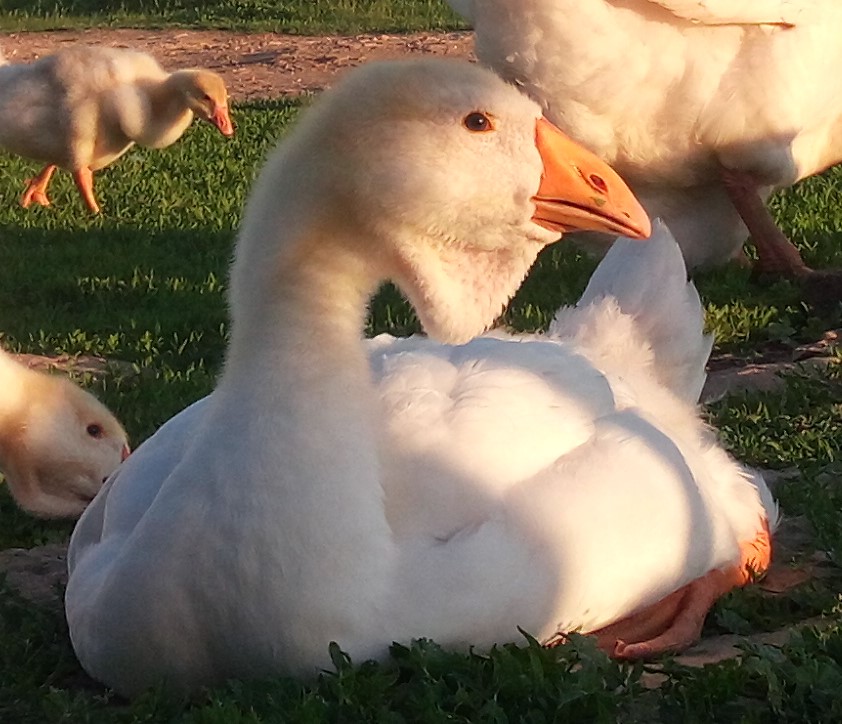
<point>145,283</point>
<point>294,16</point>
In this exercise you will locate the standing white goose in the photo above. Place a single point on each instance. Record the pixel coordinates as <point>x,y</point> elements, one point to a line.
<point>704,106</point>
<point>85,106</point>
<point>58,443</point>
<point>332,490</point>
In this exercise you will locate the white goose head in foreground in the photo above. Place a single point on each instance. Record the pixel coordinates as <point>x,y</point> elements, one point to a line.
<point>58,443</point>
<point>332,489</point>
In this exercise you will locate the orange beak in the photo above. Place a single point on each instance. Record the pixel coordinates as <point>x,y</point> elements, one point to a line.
<point>222,121</point>
<point>580,192</point>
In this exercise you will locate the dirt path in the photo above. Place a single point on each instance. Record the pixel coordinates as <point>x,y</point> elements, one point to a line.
<point>257,65</point>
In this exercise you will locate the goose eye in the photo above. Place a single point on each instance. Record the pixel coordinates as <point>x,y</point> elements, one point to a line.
<point>477,122</point>
<point>207,98</point>
<point>94,430</point>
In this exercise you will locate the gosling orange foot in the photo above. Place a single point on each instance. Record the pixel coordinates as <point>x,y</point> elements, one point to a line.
<point>84,179</point>
<point>36,188</point>
<point>675,622</point>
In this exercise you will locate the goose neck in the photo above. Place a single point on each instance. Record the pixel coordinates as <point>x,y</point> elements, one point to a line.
<point>299,294</point>
<point>169,115</point>
<point>12,383</point>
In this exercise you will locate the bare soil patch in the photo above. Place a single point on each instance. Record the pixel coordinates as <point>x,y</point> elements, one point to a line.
<point>254,65</point>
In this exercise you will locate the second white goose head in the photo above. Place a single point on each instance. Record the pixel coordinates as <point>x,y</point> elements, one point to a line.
<point>58,443</point>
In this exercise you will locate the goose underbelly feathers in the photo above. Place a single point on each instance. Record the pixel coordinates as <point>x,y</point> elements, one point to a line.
<point>331,489</point>
<point>85,106</point>
<point>704,107</point>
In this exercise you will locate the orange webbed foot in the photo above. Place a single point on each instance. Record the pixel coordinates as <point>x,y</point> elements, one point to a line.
<point>685,629</point>
<point>675,622</point>
<point>33,194</point>
<point>36,188</point>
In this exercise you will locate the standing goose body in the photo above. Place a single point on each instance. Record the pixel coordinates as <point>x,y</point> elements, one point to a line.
<point>85,106</point>
<point>704,106</point>
<point>330,489</point>
<point>58,443</point>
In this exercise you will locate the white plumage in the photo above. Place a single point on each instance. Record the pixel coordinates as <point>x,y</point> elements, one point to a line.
<point>336,490</point>
<point>703,106</point>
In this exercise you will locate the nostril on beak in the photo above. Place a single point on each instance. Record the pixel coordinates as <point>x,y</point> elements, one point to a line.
<point>598,183</point>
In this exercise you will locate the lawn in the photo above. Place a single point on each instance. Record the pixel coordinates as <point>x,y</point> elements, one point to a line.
<point>145,283</point>
<point>294,16</point>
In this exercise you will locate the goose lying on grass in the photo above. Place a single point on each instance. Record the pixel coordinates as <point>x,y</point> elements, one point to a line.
<point>336,490</point>
<point>705,107</point>
<point>58,443</point>
<point>85,106</point>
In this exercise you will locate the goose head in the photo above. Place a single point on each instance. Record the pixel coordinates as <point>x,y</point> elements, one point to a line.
<point>58,444</point>
<point>435,174</point>
<point>205,94</point>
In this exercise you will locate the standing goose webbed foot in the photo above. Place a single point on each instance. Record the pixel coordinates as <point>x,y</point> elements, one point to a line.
<point>36,188</point>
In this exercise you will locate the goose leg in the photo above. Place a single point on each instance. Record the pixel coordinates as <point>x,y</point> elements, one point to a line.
<point>675,622</point>
<point>36,188</point>
<point>775,253</point>
<point>84,179</point>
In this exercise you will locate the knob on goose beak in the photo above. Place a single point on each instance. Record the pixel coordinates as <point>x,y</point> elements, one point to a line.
<point>580,192</point>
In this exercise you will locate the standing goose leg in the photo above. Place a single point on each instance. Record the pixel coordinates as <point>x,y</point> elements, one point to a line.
<point>775,253</point>
<point>84,179</point>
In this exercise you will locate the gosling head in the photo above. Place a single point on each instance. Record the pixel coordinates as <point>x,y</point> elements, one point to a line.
<point>57,446</point>
<point>207,97</point>
<point>445,178</point>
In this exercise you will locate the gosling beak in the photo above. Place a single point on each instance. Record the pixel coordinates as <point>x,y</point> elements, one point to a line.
<point>222,121</point>
<point>580,192</point>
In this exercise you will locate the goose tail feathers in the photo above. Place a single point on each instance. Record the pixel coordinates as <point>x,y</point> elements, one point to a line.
<point>647,282</point>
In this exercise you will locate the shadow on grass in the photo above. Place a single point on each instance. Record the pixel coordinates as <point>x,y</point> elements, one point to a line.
<point>126,282</point>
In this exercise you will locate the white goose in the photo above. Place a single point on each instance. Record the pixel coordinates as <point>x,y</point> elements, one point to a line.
<point>333,491</point>
<point>85,106</point>
<point>704,106</point>
<point>58,443</point>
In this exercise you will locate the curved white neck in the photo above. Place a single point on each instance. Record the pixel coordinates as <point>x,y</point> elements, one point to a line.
<point>297,398</point>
